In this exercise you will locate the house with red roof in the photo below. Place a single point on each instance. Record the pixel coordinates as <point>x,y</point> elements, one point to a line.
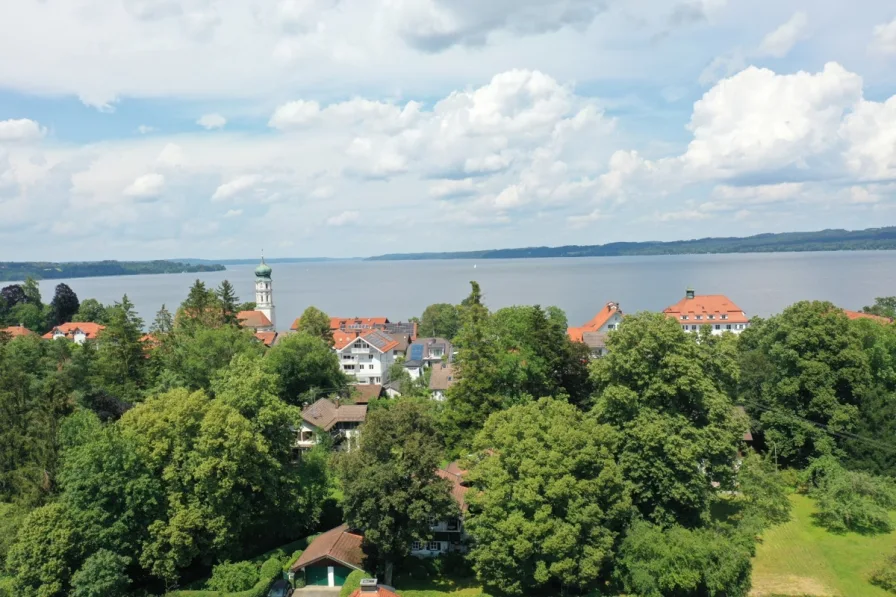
<point>861,315</point>
<point>447,535</point>
<point>16,331</point>
<point>715,310</point>
<point>365,355</point>
<point>594,333</point>
<point>77,332</point>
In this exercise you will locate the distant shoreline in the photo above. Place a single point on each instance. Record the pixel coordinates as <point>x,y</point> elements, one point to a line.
<point>43,270</point>
<point>873,239</point>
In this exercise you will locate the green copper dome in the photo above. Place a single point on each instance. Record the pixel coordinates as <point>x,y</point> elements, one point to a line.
<point>263,270</point>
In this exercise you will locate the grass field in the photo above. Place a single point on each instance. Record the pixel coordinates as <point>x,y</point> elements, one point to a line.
<point>800,558</point>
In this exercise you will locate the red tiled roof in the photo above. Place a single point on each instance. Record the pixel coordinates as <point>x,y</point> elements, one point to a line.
<point>350,323</point>
<point>455,474</point>
<point>253,319</point>
<point>375,338</point>
<point>91,330</point>
<point>336,544</point>
<point>16,331</point>
<point>860,315</point>
<point>381,591</point>
<point>267,338</point>
<point>577,334</point>
<point>706,305</point>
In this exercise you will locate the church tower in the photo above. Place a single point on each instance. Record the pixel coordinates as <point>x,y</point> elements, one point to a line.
<point>264,294</point>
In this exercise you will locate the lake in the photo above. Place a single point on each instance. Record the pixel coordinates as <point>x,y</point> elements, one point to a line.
<point>760,283</point>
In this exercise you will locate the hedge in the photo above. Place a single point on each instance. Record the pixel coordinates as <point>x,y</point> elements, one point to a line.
<point>352,582</point>
<point>270,571</point>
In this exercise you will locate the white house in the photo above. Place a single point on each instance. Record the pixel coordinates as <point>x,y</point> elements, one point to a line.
<point>447,535</point>
<point>594,333</point>
<point>77,332</point>
<point>366,355</point>
<point>716,310</point>
<point>339,421</point>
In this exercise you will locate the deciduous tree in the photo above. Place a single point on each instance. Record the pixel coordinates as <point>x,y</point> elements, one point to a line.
<point>548,501</point>
<point>392,492</point>
<point>301,363</point>
<point>440,320</point>
<point>91,310</point>
<point>64,305</point>
<point>121,360</point>
<point>315,322</point>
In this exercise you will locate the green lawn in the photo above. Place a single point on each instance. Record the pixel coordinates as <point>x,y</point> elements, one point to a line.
<point>800,558</point>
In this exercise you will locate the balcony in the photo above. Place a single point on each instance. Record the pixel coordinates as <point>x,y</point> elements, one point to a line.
<point>360,351</point>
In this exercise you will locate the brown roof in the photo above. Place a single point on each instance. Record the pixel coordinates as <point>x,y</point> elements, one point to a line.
<point>350,323</point>
<point>577,334</point>
<point>378,339</point>
<point>706,305</point>
<point>455,474</point>
<point>253,319</point>
<point>266,337</point>
<point>860,315</point>
<point>325,414</point>
<point>595,339</point>
<point>90,329</point>
<point>16,331</point>
<point>336,544</point>
<point>442,377</point>
<point>365,392</point>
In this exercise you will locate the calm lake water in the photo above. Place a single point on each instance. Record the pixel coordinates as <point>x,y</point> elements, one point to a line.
<point>761,284</point>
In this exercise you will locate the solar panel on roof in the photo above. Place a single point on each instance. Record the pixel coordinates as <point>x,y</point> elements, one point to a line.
<point>416,352</point>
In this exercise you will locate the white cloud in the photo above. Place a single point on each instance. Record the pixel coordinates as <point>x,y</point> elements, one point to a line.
<point>884,39</point>
<point>212,121</point>
<point>585,220</point>
<point>294,114</point>
<point>22,129</point>
<point>235,187</point>
<point>344,218</point>
<point>147,186</point>
<point>144,129</point>
<point>759,120</point>
<point>871,135</point>
<point>779,42</point>
<point>446,189</point>
<point>233,213</point>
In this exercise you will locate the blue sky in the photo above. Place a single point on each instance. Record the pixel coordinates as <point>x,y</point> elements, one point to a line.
<point>137,129</point>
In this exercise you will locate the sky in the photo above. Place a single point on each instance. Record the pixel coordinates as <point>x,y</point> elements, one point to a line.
<point>147,129</point>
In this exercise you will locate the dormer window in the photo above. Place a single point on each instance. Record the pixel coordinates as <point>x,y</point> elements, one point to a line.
<point>684,316</point>
<point>712,316</point>
<point>699,317</point>
<point>724,317</point>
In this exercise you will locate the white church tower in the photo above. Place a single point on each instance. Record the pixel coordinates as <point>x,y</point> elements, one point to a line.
<point>264,294</point>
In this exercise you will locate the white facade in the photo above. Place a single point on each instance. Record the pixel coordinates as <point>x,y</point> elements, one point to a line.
<point>447,536</point>
<point>365,362</point>
<point>309,435</point>
<point>78,337</point>
<point>719,326</point>
<point>611,324</point>
<point>264,298</point>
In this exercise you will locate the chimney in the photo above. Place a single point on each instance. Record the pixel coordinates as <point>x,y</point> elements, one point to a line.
<point>689,293</point>
<point>368,585</point>
<point>611,306</point>
<point>336,401</point>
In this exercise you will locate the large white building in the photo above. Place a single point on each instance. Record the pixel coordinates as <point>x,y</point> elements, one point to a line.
<point>366,355</point>
<point>715,310</point>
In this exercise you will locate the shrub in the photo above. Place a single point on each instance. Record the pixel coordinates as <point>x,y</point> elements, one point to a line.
<point>885,575</point>
<point>233,576</point>
<point>288,562</point>
<point>850,500</point>
<point>102,575</point>
<point>762,491</point>
<point>352,582</point>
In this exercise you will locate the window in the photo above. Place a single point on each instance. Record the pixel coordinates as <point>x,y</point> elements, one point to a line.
<point>378,380</point>
<point>684,317</point>
<point>712,316</point>
<point>417,546</point>
<point>611,326</point>
<point>699,317</point>
<point>370,366</point>
<point>718,327</point>
<point>693,327</point>
<point>724,317</point>
<point>348,367</point>
<point>728,327</point>
<point>452,524</point>
<point>347,357</point>
<point>684,327</point>
<point>434,546</point>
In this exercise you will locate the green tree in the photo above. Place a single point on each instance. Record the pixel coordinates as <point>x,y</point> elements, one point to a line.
<point>29,315</point>
<point>31,289</point>
<point>656,561</point>
<point>64,305</point>
<point>474,395</point>
<point>42,557</point>
<point>677,426</point>
<point>804,374</point>
<point>201,308</point>
<point>91,310</point>
<point>884,306</point>
<point>315,322</point>
<point>11,518</point>
<point>121,357</point>
<point>229,577</point>
<point>228,302</point>
<point>850,500</point>
<point>762,490</point>
<point>163,323</point>
<point>302,363</point>
<point>103,574</point>
<point>441,320</point>
<point>884,576</point>
<point>391,490</point>
<point>193,354</point>
<point>549,501</point>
